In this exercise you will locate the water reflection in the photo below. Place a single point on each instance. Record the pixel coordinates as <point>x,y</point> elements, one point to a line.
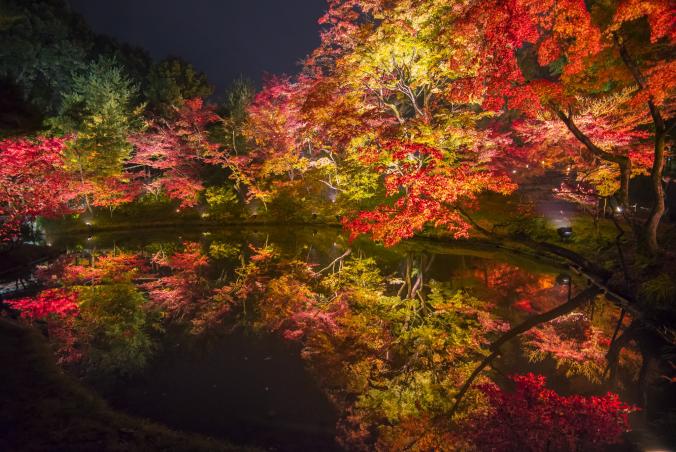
<point>293,337</point>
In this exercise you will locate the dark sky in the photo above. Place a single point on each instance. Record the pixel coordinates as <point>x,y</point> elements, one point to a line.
<point>223,38</point>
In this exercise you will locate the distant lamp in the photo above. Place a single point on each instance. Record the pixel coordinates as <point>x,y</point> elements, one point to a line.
<point>178,210</point>
<point>618,209</point>
<point>565,233</point>
<point>563,279</point>
<point>513,171</point>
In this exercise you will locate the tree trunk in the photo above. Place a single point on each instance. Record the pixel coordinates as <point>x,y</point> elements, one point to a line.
<point>86,197</point>
<point>625,177</point>
<point>622,161</point>
<point>586,295</point>
<point>653,222</point>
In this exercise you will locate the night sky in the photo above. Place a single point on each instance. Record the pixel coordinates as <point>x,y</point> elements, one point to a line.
<point>223,38</point>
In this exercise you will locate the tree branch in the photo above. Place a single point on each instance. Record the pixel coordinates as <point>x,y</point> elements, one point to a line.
<point>586,295</point>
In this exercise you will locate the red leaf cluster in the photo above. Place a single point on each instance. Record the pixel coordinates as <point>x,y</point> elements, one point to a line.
<point>32,182</point>
<point>534,418</point>
<point>52,302</point>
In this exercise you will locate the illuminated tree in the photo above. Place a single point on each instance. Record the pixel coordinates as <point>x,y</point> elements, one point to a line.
<point>32,182</point>
<point>276,154</point>
<point>100,111</point>
<point>172,152</point>
<point>548,56</point>
<point>428,186</point>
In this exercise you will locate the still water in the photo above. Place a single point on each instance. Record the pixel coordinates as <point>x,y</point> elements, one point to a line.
<point>253,377</point>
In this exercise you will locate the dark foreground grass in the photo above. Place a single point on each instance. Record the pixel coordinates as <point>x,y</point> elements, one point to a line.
<point>42,409</point>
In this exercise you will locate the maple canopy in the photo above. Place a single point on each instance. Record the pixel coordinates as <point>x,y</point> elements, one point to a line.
<point>399,96</point>
<point>534,83</point>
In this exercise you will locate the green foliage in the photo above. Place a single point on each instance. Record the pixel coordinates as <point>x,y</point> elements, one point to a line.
<point>356,272</point>
<point>149,206</point>
<point>410,354</point>
<point>222,250</point>
<point>360,184</point>
<point>101,109</point>
<point>659,291</point>
<point>43,42</point>
<point>406,395</point>
<point>237,99</point>
<point>173,80</point>
<point>287,206</point>
<point>222,201</point>
<point>529,226</point>
<point>116,325</point>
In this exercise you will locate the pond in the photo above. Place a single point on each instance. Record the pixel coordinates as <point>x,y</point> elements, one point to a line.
<point>295,338</point>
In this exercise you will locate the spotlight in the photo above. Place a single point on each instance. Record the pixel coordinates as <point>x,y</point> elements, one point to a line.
<point>565,233</point>
<point>563,279</point>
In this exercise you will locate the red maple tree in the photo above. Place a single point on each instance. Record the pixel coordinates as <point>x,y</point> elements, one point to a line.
<point>32,182</point>
<point>52,302</point>
<point>172,151</point>
<point>534,418</point>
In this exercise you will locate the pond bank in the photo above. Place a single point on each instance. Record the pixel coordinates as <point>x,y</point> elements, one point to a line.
<point>57,227</point>
<point>53,412</point>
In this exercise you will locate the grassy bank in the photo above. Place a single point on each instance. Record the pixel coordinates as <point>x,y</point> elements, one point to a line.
<point>43,409</point>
